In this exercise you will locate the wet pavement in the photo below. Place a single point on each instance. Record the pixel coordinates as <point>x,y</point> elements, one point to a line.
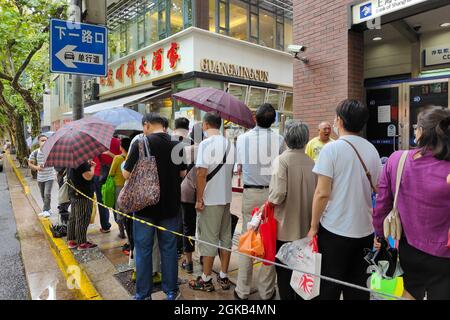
<point>13,282</point>
<point>44,278</point>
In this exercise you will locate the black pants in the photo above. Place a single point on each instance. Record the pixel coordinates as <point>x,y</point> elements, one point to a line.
<point>343,259</point>
<point>129,229</point>
<point>424,273</point>
<point>284,280</point>
<point>189,225</point>
<point>63,208</point>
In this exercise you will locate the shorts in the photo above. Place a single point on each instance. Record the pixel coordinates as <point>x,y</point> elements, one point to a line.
<point>214,226</point>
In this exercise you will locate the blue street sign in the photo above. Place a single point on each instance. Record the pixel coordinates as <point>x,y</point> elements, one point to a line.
<point>78,48</point>
<point>365,10</point>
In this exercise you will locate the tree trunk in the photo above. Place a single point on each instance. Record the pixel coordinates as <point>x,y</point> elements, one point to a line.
<point>21,144</point>
<point>35,122</point>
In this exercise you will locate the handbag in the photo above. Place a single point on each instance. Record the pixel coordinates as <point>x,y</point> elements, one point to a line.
<point>109,192</point>
<point>63,192</point>
<point>268,230</point>
<point>392,226</point>
<point>142,188</point>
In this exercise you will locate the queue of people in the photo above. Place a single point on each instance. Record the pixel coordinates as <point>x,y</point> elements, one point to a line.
<point>318,188</point>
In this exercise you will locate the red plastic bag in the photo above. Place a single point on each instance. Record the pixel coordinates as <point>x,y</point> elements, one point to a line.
<point>268,230</point>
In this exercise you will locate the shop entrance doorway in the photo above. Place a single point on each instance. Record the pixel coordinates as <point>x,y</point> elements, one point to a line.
<point>394,108</point>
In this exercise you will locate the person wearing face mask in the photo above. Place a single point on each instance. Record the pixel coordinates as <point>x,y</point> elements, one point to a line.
<point>45,176</point>
<point>342,204</point>
<point>315,145</point>
<point>423,205</point>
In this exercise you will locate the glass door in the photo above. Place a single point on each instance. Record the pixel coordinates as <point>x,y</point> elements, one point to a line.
<point>383,124</point>
<point>422,95</point>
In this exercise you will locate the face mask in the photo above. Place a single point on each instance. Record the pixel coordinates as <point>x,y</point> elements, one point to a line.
<point>336,130</point>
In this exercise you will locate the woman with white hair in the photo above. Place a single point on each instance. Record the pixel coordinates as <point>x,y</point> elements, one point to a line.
<point>291,192</point>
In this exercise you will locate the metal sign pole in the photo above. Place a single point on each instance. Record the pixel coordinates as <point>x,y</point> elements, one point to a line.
<point>77,86</point>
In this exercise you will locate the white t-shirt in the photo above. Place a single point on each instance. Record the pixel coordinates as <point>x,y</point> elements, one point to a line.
<point>209,155</point>
<point>349,209</point>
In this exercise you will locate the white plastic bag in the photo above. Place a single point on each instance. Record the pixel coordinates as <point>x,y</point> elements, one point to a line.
<point>303,254</point>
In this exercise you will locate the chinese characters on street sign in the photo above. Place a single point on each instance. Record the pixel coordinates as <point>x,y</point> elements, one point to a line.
<point>78,48</point>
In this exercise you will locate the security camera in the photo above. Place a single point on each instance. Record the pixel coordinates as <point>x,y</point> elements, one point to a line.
<point>417,27</point>
<point>293,48</point>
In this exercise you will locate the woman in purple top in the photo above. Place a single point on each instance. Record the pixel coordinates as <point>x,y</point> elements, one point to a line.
<point>424,207</point>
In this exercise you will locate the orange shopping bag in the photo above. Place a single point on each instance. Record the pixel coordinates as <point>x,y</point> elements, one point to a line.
<point>250,243</point>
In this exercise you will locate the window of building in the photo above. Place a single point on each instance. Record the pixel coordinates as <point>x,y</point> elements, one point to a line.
<point>238,90</point>
<point>223,17</point>
<point>287,32</point>
<point>151,25</point>
<point>212,15</point>
<point>123,40</point>
<point>162,20</point>
<point>141,31</point>
<point>288,102</point>
<point>188,14</point>
<point>256,97</point>
<point>275,98</point>
<point>239,19</point>
<point>266,28</point>
<point>132,36</point>
<point>254,23</point>
<point>176,16</point>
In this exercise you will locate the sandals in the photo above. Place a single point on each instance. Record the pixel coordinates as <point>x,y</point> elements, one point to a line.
<point>201,285</point>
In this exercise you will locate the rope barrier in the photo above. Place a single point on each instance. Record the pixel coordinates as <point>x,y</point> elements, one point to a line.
<point>191,238</point>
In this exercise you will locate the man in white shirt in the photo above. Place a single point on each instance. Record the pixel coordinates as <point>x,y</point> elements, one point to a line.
<point>342,205</point>
<point>215,161</point>
<point>255,151</point>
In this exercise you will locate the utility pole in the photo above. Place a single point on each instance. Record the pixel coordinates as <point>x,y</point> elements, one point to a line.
<point>77,86</point>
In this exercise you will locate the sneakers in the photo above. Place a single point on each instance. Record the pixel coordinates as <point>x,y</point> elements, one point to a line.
<point>174,295</point>
<point>201,285</point>
<point>72,244</point>
<point>224,282</point>
<point>157,278</point>
<point>44,214</point>
<point>126,249</point>
<point>86,246</point>
<point>105,231</point>
<point>236,296</point>
<point>188,266</point>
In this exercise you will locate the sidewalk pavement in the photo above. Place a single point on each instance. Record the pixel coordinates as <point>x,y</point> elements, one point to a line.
<point>44,277</point>
<point>107,260</point>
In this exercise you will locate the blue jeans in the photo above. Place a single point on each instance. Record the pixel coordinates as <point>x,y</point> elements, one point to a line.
<point>144,236</point>
<point>102,211</point>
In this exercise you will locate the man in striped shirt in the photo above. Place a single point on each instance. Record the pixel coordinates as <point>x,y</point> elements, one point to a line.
<point>45,175</point>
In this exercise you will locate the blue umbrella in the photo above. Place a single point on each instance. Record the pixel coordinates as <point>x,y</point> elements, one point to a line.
<point>117,116</point>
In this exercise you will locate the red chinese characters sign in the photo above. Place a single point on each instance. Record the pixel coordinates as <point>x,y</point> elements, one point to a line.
<point>173,55</point>
<point>157,64</point>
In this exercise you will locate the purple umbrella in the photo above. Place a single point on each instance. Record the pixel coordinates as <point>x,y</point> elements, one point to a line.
<point>210,99</point>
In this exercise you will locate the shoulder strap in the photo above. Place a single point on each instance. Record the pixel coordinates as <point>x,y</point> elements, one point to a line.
<point>369,176</point>
<point>219,166</point>
<point>401,165</point>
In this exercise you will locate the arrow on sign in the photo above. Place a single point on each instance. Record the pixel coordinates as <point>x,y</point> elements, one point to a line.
<point>68,56</point>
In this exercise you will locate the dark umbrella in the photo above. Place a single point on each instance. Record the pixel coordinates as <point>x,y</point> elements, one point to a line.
<point>77,142</point>
<point>210,99</point>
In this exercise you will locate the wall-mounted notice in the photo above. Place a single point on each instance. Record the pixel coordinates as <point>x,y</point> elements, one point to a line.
<point>384,114</point>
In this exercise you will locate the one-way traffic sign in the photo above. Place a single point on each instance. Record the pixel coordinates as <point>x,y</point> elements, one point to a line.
<point>78,48</point>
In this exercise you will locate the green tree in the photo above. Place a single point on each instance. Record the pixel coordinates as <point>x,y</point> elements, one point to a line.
<point>24,34</point>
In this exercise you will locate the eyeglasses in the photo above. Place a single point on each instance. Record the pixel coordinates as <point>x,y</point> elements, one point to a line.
<point>44,140</point>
